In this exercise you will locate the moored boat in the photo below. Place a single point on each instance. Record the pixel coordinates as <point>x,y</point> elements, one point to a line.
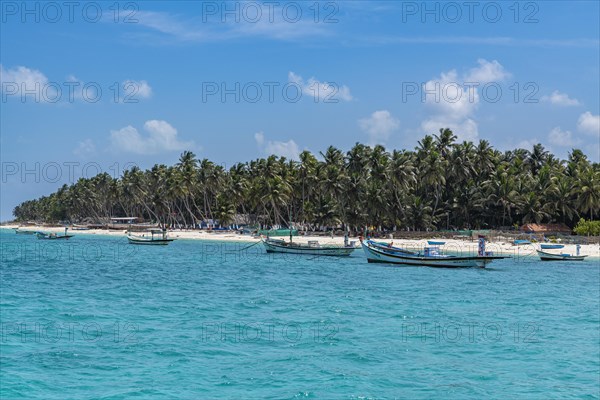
<point>545,256</point>
<point>430,257</point>
<point>435,243</point>
<point>20,231</point>
<point>156,237</point>
<point>53,236</point>
<point>551,246</point>
<point>313,247</point>
<point>521,242</point>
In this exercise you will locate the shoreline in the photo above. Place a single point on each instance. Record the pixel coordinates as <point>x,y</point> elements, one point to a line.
<point>453,245</point>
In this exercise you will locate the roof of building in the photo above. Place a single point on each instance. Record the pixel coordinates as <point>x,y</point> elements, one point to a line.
<point>546,228</point>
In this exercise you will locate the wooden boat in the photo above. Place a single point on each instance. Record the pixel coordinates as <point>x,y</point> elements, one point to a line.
<point>156,237</point>
<point>430,257</point>
<point>313,247</point>
<point>551,246</point>
<point>545,256</point>
<point>52,236</point>
<point>388,247</point>
<point>79,228</point>
<point>19,231</point>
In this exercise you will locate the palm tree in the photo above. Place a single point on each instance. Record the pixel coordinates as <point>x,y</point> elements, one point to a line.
<point>441,183</point>
<point>587,191</point>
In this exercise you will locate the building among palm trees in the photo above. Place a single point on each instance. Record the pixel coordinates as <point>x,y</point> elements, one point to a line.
<point>546,228</point>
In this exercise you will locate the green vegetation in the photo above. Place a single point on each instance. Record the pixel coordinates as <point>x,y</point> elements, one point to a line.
<point>440,185</point>
<point>587,228</point>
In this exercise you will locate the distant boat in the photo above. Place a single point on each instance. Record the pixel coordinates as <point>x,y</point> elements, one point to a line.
<point>79,228</point>
<point>550,246</point>
<point>157,237</point>
<point>545,256</point>
<point>521,242</point>
<point>431,257</point>
<point>19,231</point>
<point>435,243</point>
<point>52,236</point>
<point>313,247</point>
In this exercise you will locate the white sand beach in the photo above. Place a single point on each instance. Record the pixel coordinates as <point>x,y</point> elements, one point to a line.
<point>451,245</point>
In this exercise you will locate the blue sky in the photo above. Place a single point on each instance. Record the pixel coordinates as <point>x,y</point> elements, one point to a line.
<point>296,76</point>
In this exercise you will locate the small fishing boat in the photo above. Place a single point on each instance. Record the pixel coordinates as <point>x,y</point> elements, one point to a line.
<point>545,256</point>
<point>551,246</point>
<point>435,243</point>
<point>520,242</point>
<point>53,236</point>
<point>156,237</point>
<point>430,257</point>
<point>313,247</point>
<point>389,248</point>
<point>20,231</point>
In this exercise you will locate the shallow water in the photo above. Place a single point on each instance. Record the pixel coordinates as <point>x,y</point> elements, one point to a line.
<point>98,318</point>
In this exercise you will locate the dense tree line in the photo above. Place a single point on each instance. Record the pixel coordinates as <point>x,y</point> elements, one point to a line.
<point>441,184</point>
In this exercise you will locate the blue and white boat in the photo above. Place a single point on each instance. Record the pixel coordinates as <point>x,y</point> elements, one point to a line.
<point>551,246</point>
<point>435,243</point>
<point>313,248</point>
<point>155,237</point>
<point>545,256</point>
<point>430,257</point>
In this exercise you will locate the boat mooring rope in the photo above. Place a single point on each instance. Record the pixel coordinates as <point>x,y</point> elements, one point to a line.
<point>247,247</point>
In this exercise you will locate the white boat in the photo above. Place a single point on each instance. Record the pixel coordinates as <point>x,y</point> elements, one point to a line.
<point>20,231</point>
<point>53,236</point>
<point>430,257</point>
<point>156,237</point>
<point>545,256</point>
<point>313,247</point>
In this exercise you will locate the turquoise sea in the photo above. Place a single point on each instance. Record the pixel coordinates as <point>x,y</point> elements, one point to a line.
<point>97,318</point>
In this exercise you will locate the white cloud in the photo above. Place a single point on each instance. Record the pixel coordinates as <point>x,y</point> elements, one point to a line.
<point>487,72</point>
<point>15,81</point>
<point>321,91</point>
<point>379,126</point>
<point>562,138</point>
<point>455,99</point>
<point>589,123</point>
<point>448,95</point>
<point>527,144</point>
<point>560,99</point>
<point>162,137</point>
<point>252,20</point>
<point>137,89</point>
<point>465,130</point>
<point>289,149</point>
<point>260,138</point>
<point>85,148</point>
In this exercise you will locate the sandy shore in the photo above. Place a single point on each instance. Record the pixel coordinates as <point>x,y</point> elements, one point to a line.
<point>452,245</point>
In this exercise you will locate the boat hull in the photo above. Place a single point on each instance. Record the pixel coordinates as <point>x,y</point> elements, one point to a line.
<point>18,232</point>
<point>333,251</point>
<point>559,257</point>
<point>155,242</point>
<point>551,246</point>
<point>45,237</point>
<point>375,255</point>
